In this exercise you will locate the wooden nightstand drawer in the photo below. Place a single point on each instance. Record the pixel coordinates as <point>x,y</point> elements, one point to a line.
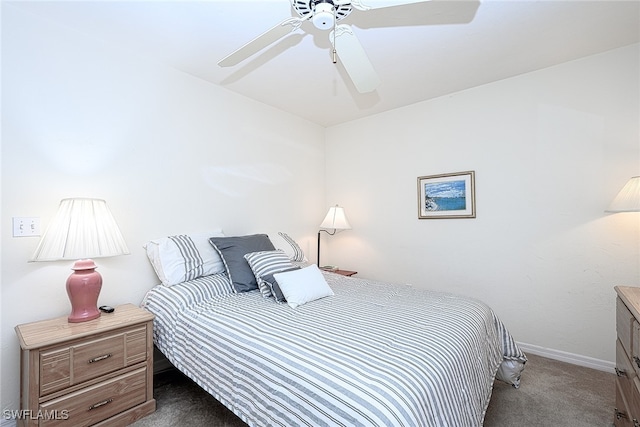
<point>634,404</point>
<point>67,365</point>
<point>624,369</point>
<point>635,346</point>
<point>96,403</point>
<point>98,372</point>
<point>624,325</point>
<point>622,414</point>
<point>627,411</point>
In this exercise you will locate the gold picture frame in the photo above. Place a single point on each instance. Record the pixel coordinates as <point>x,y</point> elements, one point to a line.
<point>449,195</point>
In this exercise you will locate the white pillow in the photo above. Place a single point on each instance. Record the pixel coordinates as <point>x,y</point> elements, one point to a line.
<point>303,285</point>
<point>183,257</point>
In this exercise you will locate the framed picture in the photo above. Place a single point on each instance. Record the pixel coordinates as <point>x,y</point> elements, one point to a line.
<point>449,195</point>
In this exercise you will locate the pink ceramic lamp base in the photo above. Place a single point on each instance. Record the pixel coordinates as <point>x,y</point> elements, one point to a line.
<point>83,288</point>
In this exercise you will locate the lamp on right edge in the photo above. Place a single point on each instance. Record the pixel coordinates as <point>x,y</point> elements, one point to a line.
<point>335,220</point>
<point>628,199</point>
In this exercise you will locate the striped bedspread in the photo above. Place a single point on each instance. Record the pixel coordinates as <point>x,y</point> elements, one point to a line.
<point>373,354</point>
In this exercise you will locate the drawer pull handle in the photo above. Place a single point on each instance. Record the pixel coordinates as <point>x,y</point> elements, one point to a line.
<point>99,404</point>
<point>99,358</point>
<point>637,360</point>
<point>621,372</point>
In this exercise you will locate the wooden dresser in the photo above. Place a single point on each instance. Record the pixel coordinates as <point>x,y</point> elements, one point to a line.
<point>627,411</point>
<point>98,372</point>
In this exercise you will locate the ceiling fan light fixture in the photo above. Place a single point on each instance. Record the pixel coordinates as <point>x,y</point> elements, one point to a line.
<point>323,16</point>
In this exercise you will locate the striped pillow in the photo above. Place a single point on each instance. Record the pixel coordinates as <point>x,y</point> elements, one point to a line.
<point>182,257</point>
<point>267,262</point>
<point>298,254</point>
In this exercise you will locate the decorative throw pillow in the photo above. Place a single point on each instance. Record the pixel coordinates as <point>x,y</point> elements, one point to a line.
<point>296,253</point>
<point>232,251</point>
<point>183,257</point>
<point>302,286</point>
<point>267,262</point>
<point>271,281</point>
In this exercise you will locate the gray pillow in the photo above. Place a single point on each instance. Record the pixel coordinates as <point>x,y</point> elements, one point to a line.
<point>232,251</point>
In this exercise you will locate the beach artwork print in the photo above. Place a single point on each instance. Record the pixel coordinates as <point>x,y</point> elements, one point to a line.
<point>447,195</point>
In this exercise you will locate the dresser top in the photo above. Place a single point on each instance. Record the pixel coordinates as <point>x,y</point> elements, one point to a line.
<point>630,295</point>
<point>55,331</point>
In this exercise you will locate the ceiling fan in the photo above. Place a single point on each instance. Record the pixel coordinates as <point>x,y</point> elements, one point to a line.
<point>325,15</point>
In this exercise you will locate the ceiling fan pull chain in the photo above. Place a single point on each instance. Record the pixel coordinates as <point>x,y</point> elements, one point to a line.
<point>335,53</point>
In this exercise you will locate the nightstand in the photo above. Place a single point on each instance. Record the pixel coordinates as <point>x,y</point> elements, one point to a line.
<point>627,410</point>
<point>80,374</point>
<point>343,272</point>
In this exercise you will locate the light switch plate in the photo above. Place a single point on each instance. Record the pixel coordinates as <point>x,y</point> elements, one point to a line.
<point>26,226</point>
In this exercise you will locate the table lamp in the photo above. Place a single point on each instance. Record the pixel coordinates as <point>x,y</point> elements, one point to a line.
<point>335,220</point>
<point>82,229</point>
<point>628,199</point>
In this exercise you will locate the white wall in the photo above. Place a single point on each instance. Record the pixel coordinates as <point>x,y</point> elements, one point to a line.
<point>550,150</point>
<point>170,154</point>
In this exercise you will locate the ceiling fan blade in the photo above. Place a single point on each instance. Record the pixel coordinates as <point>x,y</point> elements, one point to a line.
<point>354,59</point>
<point>263,40</point>
<point>389,13</point>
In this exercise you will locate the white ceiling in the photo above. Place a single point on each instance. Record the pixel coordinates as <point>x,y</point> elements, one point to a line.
<point>296,74</point>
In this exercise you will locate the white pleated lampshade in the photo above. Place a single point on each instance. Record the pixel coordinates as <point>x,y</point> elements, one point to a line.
<point>335,219</point>
<point>82,228</point>
<point>628,199</point>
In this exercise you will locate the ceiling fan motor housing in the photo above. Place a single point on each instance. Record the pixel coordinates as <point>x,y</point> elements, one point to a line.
<point>323,16</point>
<point>323,12</point>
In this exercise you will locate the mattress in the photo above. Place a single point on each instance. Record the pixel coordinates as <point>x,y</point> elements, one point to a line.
<point>373,354</point>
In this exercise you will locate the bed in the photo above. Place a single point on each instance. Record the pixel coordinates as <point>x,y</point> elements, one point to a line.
<point>364,354</point>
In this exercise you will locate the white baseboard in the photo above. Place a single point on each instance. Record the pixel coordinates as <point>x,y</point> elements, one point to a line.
<point>563,356</point>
